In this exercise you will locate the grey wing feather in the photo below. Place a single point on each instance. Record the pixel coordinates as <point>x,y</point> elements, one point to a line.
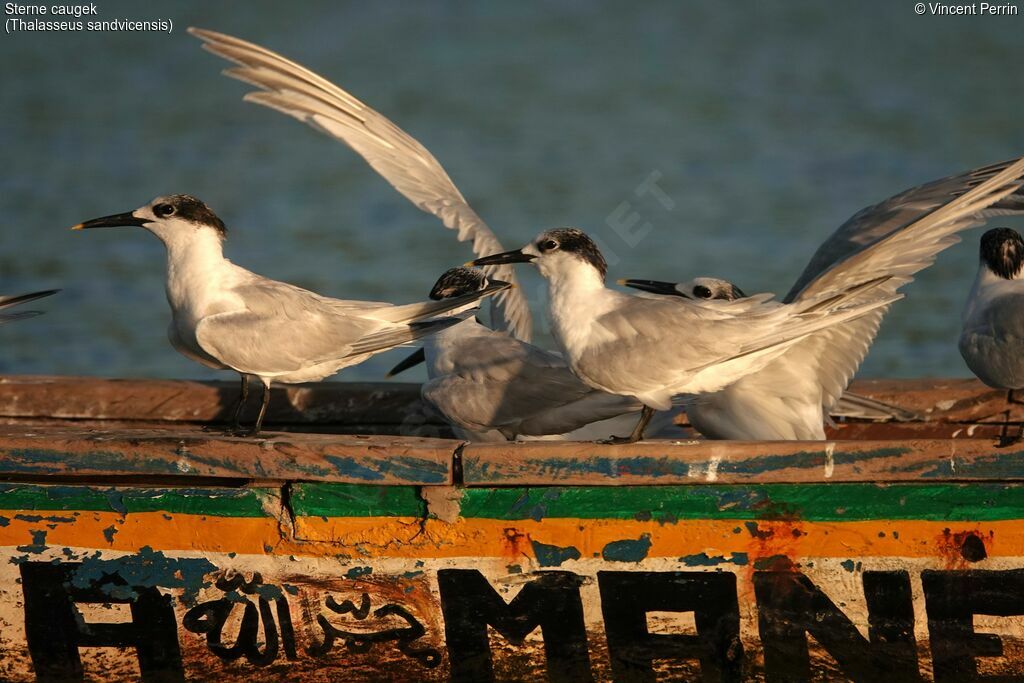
<point>250,340</point>
<point>503,383</point>
<point>394,154</point>
<point>888,220</point>
<point>397,336</point>
<point>897,237</point>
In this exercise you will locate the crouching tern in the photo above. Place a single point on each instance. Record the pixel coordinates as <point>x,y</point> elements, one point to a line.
<point>484,381</point>
<point>226,317</point>
<point>992,339</point>
<point>18,299</point>
<point>791,397</point>
<point>655,348</point>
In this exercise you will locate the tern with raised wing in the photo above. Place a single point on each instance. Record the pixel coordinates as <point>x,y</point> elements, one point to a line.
<point>226,317</point>
<point>792,397</point>
<point>992,339</point>
<point>403,162</point>
<point>655,348</point>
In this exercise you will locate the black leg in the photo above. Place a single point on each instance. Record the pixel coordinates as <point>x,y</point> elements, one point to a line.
<point>236,423</point>
<point>638,432</point>
<point>1005,439</point>
<point>263,410</point>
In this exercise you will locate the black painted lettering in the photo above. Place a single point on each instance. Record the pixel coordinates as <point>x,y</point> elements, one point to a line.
<point>790,607</point>
<point>952,598</point>
<point>551,601</point>
<point>55,631</point>
<point>627,597</point>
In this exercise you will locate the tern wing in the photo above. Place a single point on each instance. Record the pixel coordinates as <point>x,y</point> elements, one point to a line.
<point>898,238</point>
<point>902,234</point>
<point>393,153</point>
<point>282,330</point>
<point>502,383</point>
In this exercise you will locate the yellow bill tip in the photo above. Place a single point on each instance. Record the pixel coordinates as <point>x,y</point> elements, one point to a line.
<point>621,281</point>
<point>78,226</point>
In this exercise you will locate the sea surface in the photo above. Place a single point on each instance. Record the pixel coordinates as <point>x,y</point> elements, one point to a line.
<point>765,124</point>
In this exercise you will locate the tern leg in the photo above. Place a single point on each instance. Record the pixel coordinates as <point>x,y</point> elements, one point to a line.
<point>263,409</point>
<point>1004,438</point>
<point>638,432</point>
<point>243,395</point>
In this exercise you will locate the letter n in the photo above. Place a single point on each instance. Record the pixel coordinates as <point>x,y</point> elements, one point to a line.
<point>790,607</point>
<point>551,601</point>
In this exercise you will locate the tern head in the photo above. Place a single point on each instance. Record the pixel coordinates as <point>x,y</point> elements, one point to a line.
<point>697,288</point>
<point>555,252</point>
<point>173,218</point>
<point>1002,251</point>
<point>458,281</point>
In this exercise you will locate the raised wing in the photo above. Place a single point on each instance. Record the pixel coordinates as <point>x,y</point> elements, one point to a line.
<point>897,237</point>
<point>393,153</point>
<point>904,233</point>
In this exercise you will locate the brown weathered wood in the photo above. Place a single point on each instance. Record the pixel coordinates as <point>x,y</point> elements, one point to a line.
<point>951,400</point>
<point>80,398</point>
<point>71,451</point>
<point>728,462</point>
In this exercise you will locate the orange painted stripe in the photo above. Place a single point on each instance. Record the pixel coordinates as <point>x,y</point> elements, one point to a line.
<point>385,537</point>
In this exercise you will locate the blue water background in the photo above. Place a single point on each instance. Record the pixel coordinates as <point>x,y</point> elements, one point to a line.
<point>767,124</point>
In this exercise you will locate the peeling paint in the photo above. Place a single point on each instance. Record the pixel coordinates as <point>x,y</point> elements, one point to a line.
<point>627,550</point>
<point>553,555</point>
<point>145,569</point>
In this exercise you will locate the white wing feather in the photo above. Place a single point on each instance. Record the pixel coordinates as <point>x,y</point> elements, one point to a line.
<point>401,160</point>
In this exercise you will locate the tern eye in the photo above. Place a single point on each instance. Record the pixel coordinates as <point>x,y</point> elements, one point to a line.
<point>163,210</point>
<point>702,292</point>
<point>548,245</point>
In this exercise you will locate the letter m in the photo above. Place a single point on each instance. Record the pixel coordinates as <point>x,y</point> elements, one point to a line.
<point>551,601</point>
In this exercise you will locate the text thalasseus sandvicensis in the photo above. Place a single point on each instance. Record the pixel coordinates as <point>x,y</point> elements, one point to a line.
<point>653,348</point>
<point>401,160</point>
<point>992,339</point>
<point>227,317</point>
<point>18,299</point>
<point>483,380</point>
<point>791,397</point>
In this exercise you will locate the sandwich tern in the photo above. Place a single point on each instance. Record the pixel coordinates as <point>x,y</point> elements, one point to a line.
<point>18,299</point>
<point>849,405</point>
<point>992,339</point>
<point>792,396</point>
<point>484,381</point>
<point>226,317</point>
<point>655,348</point>
<point>402,161</point>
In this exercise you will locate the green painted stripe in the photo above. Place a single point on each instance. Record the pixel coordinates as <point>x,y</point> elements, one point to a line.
<point>356,500</point>
<point>810,502</point>
<point>215,502</point>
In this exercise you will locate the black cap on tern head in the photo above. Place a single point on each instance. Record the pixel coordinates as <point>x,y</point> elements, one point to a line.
<point>191,209</point>
<point>182,206</point>
<point>573,241</point>
<point>1002,250</point>
<point>458,281</point>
